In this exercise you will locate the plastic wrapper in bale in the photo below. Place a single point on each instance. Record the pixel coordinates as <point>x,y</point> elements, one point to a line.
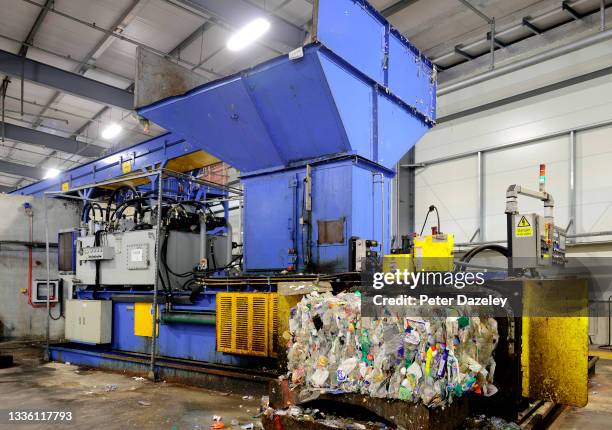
<point>429,360</point>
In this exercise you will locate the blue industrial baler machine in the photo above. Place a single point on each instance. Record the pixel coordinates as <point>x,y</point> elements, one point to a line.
<point>332,119</point>
<point>316,135</point>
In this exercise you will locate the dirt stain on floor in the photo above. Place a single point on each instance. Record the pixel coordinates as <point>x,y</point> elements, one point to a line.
<point>104,400</point>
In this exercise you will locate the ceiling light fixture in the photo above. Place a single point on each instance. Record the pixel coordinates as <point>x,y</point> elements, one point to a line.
<point>52,173</point>
<point>248,34</point>
<point>111,131</point>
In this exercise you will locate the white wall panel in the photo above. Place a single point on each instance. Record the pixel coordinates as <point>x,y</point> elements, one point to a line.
<point>594,183</point>
<point>520,165</point>
<point>453,188</point>
<point>571,107</point>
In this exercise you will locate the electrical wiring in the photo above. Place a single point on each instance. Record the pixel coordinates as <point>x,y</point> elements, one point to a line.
<point>430,210</point>
<point>114,194</point>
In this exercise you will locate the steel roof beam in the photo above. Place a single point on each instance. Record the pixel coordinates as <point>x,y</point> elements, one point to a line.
<point>65,81</point>
<point>91,57</point>
<point>51,141</point>
<point>531,26</point>
<point>573,12</point>
<point>498,42</point>
<point>463,53</point>
<point>21,170</point>
<point>176,52</point>
<point>397,7</point>
<point>237,13</point>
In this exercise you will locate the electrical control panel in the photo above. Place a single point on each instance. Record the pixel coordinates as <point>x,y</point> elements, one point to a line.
<point>92,253</point>
<point>530,246</point>
<point>40,290</point>
<point>128,258</point>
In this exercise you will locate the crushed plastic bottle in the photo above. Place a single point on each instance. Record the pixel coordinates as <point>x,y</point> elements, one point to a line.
<point>431,360</point>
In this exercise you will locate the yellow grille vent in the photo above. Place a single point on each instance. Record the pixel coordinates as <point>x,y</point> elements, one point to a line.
<point>273,318</point>
<point>246,323</point>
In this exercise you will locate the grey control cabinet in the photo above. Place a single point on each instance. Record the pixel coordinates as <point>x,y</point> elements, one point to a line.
<point>89,321</point>
<point>129,258</point>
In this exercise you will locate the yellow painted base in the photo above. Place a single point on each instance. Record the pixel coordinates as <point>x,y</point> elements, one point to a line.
<point>596,351</point>
<point>554,357</point>
<point>397,263</point>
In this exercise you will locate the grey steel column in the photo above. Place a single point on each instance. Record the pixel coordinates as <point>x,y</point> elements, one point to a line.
<point>481,197</point>
<point>572,182</point>
<point>152,374</point>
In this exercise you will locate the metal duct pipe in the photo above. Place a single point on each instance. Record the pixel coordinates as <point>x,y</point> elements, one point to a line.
<point>530,61</point>
<point>188,318</point>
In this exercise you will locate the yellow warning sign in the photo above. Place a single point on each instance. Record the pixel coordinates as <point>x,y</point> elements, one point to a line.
<point>126,167</point>
<point>523,228</point>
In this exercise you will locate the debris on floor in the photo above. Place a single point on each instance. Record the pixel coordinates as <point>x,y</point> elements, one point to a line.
<point>35,383</point>
<point>297,415</point>
<point>217,423</point>
<point>482,422</point>
<point>431,360</point>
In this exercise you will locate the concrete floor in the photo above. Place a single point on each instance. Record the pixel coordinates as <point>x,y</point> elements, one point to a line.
<point>597,415</point>
<point>100,399</point>
<point>104,400</point>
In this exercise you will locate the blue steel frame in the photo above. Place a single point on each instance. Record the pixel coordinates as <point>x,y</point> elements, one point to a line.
<point>153,153</point>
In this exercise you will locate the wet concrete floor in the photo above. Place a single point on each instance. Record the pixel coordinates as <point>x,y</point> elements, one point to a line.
<point>103,400</point>
<point>597,414</point>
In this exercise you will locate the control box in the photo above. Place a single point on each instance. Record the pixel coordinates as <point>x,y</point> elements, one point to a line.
<point>40,291</point>
<point>89,321</point>
<point>530,246</point>
<point>92,253</point>
<point>128,258</point>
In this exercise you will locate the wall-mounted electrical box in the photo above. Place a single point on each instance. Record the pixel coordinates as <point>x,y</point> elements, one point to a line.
<point>89,321</point>
<point>40,290</point>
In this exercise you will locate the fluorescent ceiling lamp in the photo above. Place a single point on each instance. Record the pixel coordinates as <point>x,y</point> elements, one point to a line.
<point>248,34</point>
<point>51,173</point>
<point>111,131</point>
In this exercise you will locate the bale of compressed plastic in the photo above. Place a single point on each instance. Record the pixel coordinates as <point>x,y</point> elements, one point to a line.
<point>430,360</point>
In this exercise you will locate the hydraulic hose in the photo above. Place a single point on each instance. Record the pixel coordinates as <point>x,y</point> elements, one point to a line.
<point>114,194</point>
<point>467,257</point>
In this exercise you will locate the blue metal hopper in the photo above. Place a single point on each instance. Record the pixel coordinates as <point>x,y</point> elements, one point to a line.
<point>374,98</point>
<point>342,109</point>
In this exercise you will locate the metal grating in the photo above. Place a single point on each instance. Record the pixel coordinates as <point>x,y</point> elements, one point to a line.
<point>244,323</point>
<point>224,322</point>
<point>273,316</point>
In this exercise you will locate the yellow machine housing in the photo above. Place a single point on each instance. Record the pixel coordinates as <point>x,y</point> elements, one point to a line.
<point>554,358</point>
<point>431,253</point>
